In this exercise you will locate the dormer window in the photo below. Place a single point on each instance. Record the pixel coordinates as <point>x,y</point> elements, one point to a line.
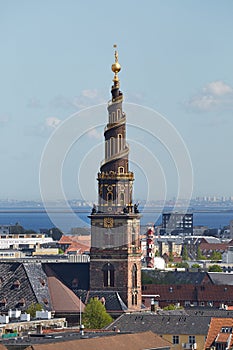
<point>21,302</point>
<point>102,300</point>
<point>42,281</point>
<point>3,302</point>
<point>16,284</point>
<point>226,330</point>
<point>75,283</point>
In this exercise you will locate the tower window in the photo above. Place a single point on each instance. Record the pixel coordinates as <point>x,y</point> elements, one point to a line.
<point>109,198</point>
<point>134,276</point>
<point>121,169</point>
<point>106,149</point>
<point>112,150</point>
<point>122,199</point>
<point>108,275</point>
<point>119,142</point>
<point>134,299</point>
<point>133,239</point>
<point>118,114</point>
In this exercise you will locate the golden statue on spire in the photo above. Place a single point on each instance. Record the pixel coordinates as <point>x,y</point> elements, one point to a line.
<point>116,67</point>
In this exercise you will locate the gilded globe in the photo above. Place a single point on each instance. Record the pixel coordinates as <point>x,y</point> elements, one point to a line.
<point>116,67</point>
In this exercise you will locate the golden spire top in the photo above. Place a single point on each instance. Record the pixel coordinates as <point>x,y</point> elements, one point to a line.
<point>116,67</point>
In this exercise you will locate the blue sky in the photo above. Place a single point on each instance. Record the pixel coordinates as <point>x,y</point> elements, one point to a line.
<point>176,58</point>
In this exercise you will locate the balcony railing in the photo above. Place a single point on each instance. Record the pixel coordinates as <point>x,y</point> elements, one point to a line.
<point>119,122</point>
<point>118,155</point>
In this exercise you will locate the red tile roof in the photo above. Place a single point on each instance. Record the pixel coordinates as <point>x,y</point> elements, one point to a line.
<point>171,292</point>
<point>215,333</point>
<point>180,293</point>
<point>216,292</point>
<point>136,341</point>
<point>222,338</point>
<point>79,247</point>
<point>83,241</point>
<point>213,246</point>
<point>65,240</point>
<point>62,298</point>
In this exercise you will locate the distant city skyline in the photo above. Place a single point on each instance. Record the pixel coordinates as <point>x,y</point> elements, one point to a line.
<point>176,59</point>
<point>141,201</point>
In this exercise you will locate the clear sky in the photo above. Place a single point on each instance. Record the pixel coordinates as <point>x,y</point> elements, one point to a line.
<point>176,57</point>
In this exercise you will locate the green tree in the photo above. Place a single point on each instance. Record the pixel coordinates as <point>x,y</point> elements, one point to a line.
<point>170,257</point>
<point>172,307</point>
<point>185,253</point>
<point>33,308</point>
<point>200,256</point>
<point>95,315</point>
<point>196,266</point>
<point>182,265</point>
<point>215,268</point>
<point>215,256</point>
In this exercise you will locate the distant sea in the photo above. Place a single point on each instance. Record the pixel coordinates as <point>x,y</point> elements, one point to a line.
<point>37,218</point>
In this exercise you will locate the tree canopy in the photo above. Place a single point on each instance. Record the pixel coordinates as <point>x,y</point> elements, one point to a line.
<point>185,253</point>
<point>200,256</point>
<point>182,265</point>
<point>196,266</point>
<point>171,257</point>
<point>172,307</point>
<point>95,315</point>
<point>33,308</point>
<point>215,268</point>
<point>215,256</point>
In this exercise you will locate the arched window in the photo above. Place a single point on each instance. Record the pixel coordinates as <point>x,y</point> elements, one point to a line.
<point>122,199</point>
<point>134,276</point>
<point>108,275</point>
<point>75,283</point>
<point>109,198</point>
<point>119,142</point>
<point>112,146</point>
<point>118,114</point>
<point>106,149</point>
<point>133,239</point>
<point>134,299</point>
<point>113,117</point>
<point>121,169</point>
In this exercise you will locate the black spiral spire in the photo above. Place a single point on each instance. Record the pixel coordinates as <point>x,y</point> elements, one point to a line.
<point>115,180</point>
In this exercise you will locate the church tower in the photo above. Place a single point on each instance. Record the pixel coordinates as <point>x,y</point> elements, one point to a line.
<point>115,258</point>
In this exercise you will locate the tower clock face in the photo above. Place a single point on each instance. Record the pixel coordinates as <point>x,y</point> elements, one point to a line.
<point>108,222</point>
